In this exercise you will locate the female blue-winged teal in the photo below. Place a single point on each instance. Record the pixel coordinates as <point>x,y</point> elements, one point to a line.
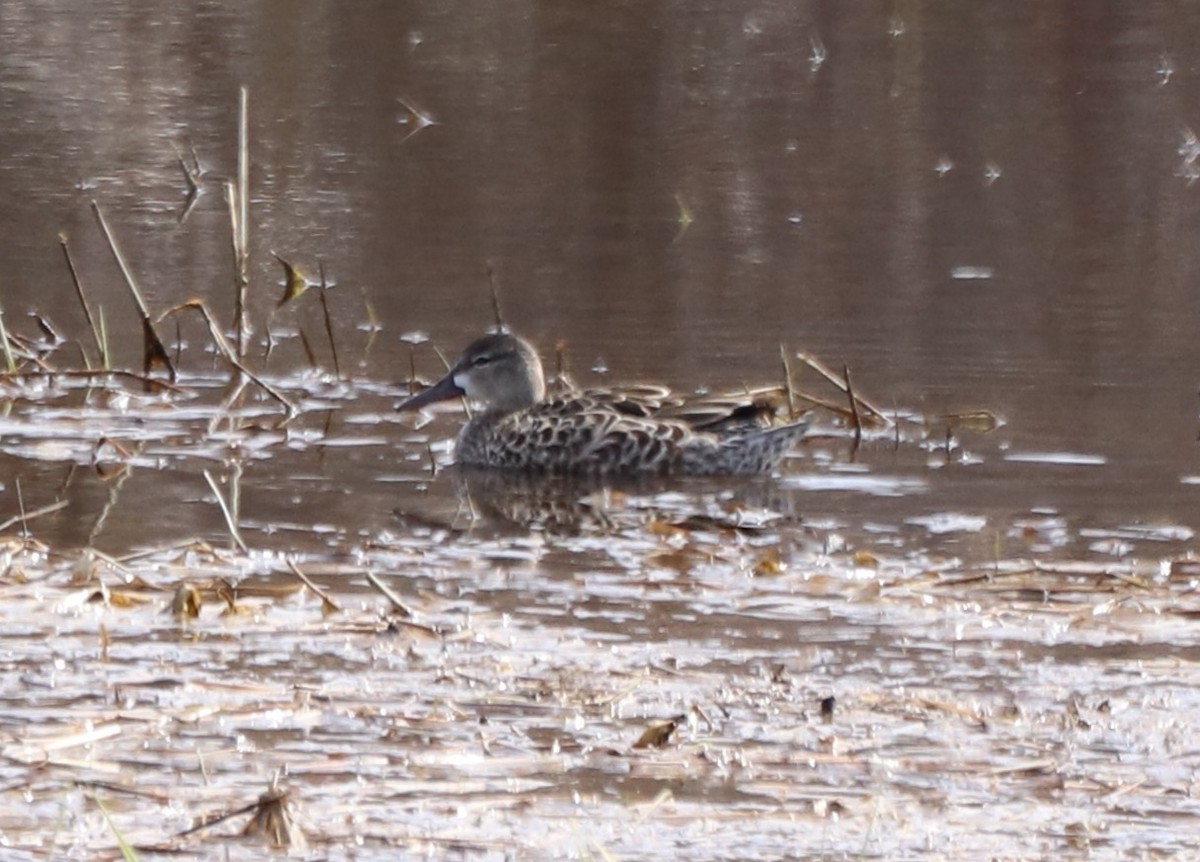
<point>638,431</point>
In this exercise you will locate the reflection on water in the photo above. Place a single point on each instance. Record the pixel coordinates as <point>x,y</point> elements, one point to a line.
<point>571,505</point>
<point>973,206</point>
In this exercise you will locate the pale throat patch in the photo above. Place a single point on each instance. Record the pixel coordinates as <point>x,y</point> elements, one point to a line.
<point>463,382</point>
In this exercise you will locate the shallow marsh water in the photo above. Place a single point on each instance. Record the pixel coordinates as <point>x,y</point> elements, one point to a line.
<point>974,645</point>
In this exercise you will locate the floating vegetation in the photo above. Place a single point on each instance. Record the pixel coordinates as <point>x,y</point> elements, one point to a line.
<point>522,690</point>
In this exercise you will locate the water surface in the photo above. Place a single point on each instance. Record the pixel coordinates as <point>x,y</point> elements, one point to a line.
<point>974,207</point>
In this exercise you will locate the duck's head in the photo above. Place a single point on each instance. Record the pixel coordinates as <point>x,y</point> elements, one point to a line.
<point>501,372</point>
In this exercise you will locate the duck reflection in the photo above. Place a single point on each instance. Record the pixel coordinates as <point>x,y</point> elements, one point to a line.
<point>570,504</point>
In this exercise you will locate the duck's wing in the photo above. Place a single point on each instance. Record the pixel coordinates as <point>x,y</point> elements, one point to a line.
<point>733,413</point>
<point>639,399</point>
<point>584,433</point>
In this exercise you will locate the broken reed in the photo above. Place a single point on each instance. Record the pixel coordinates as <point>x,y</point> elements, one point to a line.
<point>153,351</point>
<point>297,283</point>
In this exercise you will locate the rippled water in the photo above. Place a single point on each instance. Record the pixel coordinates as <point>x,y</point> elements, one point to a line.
<point>953,641</point>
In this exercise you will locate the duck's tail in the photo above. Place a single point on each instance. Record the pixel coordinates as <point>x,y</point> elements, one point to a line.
<point>757,451</point>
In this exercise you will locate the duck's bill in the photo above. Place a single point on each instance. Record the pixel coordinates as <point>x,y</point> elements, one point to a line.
<point>443,390</point>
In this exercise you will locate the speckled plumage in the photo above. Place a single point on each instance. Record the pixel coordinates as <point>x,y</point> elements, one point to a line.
<point>637,431</point>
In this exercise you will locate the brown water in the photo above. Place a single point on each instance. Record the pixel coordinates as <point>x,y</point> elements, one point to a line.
<point>973,206</point>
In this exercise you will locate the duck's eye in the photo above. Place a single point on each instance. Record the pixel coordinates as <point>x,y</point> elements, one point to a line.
<point>480,361</point>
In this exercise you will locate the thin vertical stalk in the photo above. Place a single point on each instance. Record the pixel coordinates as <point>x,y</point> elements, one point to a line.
<point>83,301</point>
<point>9,360</point>
<point>242,222</point>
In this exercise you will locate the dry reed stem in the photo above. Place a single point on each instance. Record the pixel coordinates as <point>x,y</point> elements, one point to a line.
<point>235,232</point>
<point>853,406</point>
<point>229,521</point>
<point>495,291</point>
<point>153,349</point>
<point>387,593</point>
<point>237,387</point>
<point>25,517</point>
<point>190,175</point>
<point>308,350</point>
<point>113,787</point>
<point>110,504</point>
<point>241,226</point>
<point>217,819</point>
<point>327,604</point>
<point>9,359</point>
<point>83,301</point>
<point>74,739</point>
<point>817,366</point>
<point>193,544</point>
<point>21,510</point>
<point>789,387</point>
<point>225,350</point>
<point>337,367</point>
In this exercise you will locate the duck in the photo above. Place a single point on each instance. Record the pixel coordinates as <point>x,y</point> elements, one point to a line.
<point>640,430</point>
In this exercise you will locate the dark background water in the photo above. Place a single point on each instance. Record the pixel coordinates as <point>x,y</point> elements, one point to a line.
<point>839,165</point>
